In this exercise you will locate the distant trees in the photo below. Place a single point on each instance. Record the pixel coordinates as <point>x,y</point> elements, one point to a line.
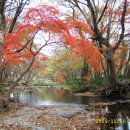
<point>98,33</point>
<point>109,22</point>
<point>64,67</point>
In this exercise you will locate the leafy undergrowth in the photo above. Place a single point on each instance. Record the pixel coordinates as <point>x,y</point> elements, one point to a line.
<point>75,84</point>
<point>44,83</point>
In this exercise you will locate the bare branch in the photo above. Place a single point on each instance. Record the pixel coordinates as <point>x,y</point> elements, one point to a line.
<point>103,12</point>
<point>18,12</point>
<point>122,26</point>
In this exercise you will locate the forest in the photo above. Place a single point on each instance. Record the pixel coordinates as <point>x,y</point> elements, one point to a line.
<point>64,64</point>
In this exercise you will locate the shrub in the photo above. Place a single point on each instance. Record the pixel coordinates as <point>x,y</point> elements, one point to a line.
<point>99,81</point>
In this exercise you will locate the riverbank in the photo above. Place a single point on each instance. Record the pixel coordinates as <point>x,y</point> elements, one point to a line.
<point>60,117</point>
<point>86,94</point>
<point>57,109</point>
<point>66,116</point>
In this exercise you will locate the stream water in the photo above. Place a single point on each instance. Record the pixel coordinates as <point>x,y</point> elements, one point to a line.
<point>118,117</point>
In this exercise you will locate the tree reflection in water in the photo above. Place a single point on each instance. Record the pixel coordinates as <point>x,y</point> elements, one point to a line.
<point>53,96</point>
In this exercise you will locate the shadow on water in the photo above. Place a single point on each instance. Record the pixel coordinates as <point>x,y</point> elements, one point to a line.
<point>117,119</point>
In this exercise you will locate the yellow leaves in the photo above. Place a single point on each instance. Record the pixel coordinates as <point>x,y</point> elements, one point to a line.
<point>63,64</point>
<point>122,49</point>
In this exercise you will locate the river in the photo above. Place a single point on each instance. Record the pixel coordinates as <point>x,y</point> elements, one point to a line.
<point>118,116</point>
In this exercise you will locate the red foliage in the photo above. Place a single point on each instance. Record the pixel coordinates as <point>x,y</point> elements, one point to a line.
<point>46,18</point>
<point>87,49</point>
<point>14,41</point>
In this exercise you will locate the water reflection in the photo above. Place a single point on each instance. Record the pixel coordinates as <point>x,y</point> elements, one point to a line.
<point>53,96</point>
<point>128,120</point>
<point>119,118</point>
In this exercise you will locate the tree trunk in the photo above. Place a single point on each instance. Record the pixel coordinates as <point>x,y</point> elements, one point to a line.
<point>84,71</point>
<point>111,69</point>
<point>22,75</point>
<point>128,73</point>
<point>1,73</point>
